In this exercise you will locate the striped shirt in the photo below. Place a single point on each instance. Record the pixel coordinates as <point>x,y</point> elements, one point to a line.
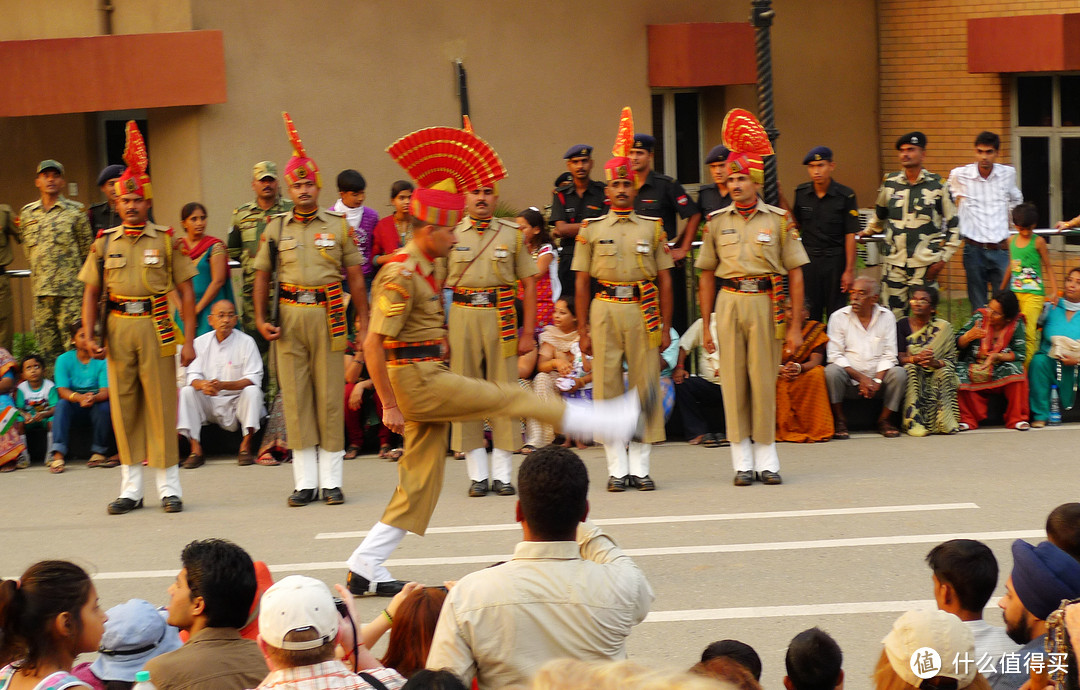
<point>985,202</point>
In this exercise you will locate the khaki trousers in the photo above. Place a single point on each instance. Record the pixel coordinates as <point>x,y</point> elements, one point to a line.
<point>749,361</point>
<point>312,380</point>
<point>618,333</point>
<point>476,352</point>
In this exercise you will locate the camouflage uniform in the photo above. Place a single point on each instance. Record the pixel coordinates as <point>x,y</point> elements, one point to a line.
<point>57,242</point>
<point>248,223</point>
<point>7,229</point>
<point>920,225</point>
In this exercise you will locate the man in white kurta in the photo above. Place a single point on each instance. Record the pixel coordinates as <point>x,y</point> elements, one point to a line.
<point>223,385</point>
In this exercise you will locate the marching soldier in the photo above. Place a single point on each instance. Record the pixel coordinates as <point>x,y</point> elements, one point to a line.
<point>309,247</point>
<point>748,248</point>
<point>630,317</point>
<point>135,266</point>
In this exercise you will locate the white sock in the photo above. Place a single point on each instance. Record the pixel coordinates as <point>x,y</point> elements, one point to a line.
<point>742,455</point>
<point>368,558</point>
<point>618,464</point>
<point>331,466</point>
<point>476,464</point>
<point>305,468</point>
<point>131,484</point>
<point>168,482</point>
<point>765,457</point>
<point>502,465</point>
<point>639,458</point>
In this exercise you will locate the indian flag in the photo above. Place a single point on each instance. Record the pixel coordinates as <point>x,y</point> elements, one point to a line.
<point>8,416</point>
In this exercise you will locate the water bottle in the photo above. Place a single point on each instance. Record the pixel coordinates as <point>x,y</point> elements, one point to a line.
<point>1055,406</point>
<point>142,681</point>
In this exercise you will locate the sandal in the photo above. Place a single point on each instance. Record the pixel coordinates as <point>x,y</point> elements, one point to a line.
<point>711,441</point>
<point>886,429</point>
<point>8,467</point>
<point>395,454</point>
<point>526,449</point>
<point>95,460</point>
<point>56,465</point>
<point>351,452</point>
<point>384,451</point>
<point>1022,426</point>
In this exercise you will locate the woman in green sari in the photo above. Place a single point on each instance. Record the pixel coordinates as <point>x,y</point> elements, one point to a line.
<point>927,350</point>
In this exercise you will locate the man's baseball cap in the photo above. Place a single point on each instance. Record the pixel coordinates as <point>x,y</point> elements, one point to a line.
<point>265,169</point>
<point>297,603</point>
<point>913,138</point>
<point>578,151</point>
<point>818,153</point>
<point>50,164</point>
<point>940,631</point>
<point>644,141</point>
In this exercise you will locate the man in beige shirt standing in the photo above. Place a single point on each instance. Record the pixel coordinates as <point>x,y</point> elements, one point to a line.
<point>568,592</point>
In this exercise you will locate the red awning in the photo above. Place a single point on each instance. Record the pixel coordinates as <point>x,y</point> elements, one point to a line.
<point>694,55</point>
<point>1031,43</point>
<point>79,75</point>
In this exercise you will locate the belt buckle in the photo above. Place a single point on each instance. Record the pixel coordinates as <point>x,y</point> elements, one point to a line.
<point>624,291</point>
<point>134,307</point>
<point>480,299</point>
<point>305,297</point>
<point>749,285</point>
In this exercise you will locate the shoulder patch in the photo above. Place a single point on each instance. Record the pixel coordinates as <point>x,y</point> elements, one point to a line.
<point>335,214</point>
<point>650,218</point>
<point>396,258</point>
<point>387,307</point>
<point>394,287</point>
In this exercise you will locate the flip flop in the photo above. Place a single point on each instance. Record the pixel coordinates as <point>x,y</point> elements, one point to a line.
<point>395,454</point>
<point>351,452</point>
<point>56,466</point>
<point>384,451</point>
<point>245,458</point>
<point>267,459</point>
<point>711,441</point>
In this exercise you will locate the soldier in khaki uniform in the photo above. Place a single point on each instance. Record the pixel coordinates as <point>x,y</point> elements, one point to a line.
<point>140,268</point>
<point>248,223</point>
<point>748,248</point>
<point>405,347</point>
<point>482,271</point>
<point>56,235</point>
<point>630,317</point>
<point>310,246</point>
<point>8,233</point>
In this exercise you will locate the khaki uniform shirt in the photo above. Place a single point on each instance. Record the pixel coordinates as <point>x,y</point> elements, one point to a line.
<point>500,260</point>
<point>311,254</point>
<point>763,244</point>
<point>405,306</point>
<point>137,266</point>
<point>57,242</point>
<point>622,249</point>
<point>919,220</point>
<point>248,223</point>
<point>8,232</point>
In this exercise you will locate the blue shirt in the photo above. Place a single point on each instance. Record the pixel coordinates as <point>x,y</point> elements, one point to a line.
<point>1058,323</point>
<point>70,373</point>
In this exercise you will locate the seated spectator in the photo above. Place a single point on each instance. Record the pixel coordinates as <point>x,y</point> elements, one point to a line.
<point>569,591</point>
<point>1052,366</point>
<point>135,632</point>
<point>39,614</point>
<point>434,680</point>
<point>12,442</point>
<point>965,575</point>
<point>946,635</point>
<point>668,359</point>
<point>359,391</point>
<point>862,358</point>
<point>82,385</point>
<point>561,369</point>
<point>991,360</point>
<point>814,662</point>
<point>299,632</point>
<point>927,350</point>
<point>1063,528</point>
<point>1041,577</point>
<point>736,651</point>
<point>223,386</point>
<point>698,398</point>
<point>731,672</point>
<point>802,398</point>
<point>395,230</point>
<point>410,618</point>
<point>210,600</point>
<point>35,398</point>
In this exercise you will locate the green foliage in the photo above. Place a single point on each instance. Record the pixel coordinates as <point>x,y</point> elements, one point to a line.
<point>23,344</point>
<point>505,210</point>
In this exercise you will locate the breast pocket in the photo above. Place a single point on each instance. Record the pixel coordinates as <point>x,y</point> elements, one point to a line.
<point>113,264</point>
<point>606,256</point>
<point>289,251</point>
<point>729,246</point>
<point>156,275</point>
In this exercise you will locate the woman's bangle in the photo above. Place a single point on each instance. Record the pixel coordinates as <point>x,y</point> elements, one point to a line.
<point>389,618</point>
<point>71,397</point>
<point>799,364</point>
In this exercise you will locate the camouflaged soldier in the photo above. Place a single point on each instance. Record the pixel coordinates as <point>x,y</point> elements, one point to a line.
<point>248,223</point>
<point>56,235</point>
<point>916,212</point>
<point>8,233</point>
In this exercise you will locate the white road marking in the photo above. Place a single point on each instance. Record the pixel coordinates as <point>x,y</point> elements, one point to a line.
<point>665,519</point>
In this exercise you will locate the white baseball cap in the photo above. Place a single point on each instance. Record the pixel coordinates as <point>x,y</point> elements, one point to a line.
<point>297,603</point>
<point>939,631</point>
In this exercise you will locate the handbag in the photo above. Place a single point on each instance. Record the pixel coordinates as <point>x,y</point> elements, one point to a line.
<point>981,372</point>
<point>1062,346</point>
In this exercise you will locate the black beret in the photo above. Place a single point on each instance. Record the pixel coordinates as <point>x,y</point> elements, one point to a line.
<point>717,154</point>
<point>577,151</point>
<point>818,153</point>
<point>913,138</point>
<point>644,141</point>
<point>110,172</point>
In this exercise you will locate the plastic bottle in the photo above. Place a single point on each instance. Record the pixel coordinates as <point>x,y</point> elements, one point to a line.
<point>1055,406</point>
<point>142,681</point>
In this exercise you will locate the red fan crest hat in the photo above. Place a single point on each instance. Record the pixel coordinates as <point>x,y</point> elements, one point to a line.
<point>748,142</point>
<point>618,168</point>
<point>135,180</point>
<point>299,167</point>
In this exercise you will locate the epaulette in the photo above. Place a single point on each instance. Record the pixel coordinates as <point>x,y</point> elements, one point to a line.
<point>32,205</point>
<point>396,258</point>
<point>502,221</point>
<point>586,221</point>
<point>662,176</point>
<point>719,210</point>
<point>336,214</point>
<point>643,217</point>
<point>169,231</point>
<point>72,204</point>
<point>569,186</point>
<point>775,209</point>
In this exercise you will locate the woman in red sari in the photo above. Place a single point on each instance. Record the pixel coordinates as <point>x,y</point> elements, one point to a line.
<point>210,256</point>
<point>803,414</point>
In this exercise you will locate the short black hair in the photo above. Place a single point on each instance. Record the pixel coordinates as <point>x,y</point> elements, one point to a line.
<point>398,187</point>
<point>222,574</point>
<point>739,652</point>
<point>1025,215</point>
<point>928,289</point>
<point>1063,528</point>
<point>427,679</point>
<point>1010,306</point>
<point>988,139</point>
<point>351,181</point>
<point>813,660</point>
<point>553,486</point>
<point>32,356</point>
<point>969,567</point>
<point>74,327</point>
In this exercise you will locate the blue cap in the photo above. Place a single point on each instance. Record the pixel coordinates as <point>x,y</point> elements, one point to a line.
<point>717,154</point>
<point>578,151</point>
<point>111,172</point>
<point>644,141</point>
<point>818,153</point>
<point>135,633</point>
<point>1042,576</point>
<point>913,138</point>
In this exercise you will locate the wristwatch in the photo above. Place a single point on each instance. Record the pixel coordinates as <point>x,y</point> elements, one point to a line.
<point>876,380</point>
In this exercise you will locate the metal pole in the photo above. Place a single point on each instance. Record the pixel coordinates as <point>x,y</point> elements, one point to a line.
<point>761,18</point>
<point>462,87</point>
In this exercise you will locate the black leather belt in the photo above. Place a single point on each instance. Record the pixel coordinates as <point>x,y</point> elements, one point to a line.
<point>1004,244</point>
<point>304,296</point>
<point>621,291</point>
<point>476,298</point>
<point>747,284</point>
<point>131,307</point>
<point>411,352</point>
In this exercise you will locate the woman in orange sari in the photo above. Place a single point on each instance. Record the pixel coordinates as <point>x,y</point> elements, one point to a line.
<point>802,400</point>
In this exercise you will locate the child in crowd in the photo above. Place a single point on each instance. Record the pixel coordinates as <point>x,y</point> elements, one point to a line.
<point>1029,272</point>
<point>82,385</point>
<point>12,442</point>
<point>36,400</point>
<point>135,633</point>
<point>395,230</point>
<point>362,409</point>
<point>361,219</point>
<point>538,240</point>
<point>1063,528</point>
<point>562,367</point>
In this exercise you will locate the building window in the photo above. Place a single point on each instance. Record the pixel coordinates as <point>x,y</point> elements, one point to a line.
<point>1046,141</point>
<point>676,116</point>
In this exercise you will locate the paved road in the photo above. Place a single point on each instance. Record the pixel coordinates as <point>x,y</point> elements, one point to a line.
<point>840,545</point>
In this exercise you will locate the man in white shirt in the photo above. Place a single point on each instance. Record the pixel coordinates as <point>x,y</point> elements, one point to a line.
<point>862,358</point>
<point>985,193</point>
<point>965,575</point>
<point>223,385</point>
<point>698,399</point>
<point>568,592</point>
